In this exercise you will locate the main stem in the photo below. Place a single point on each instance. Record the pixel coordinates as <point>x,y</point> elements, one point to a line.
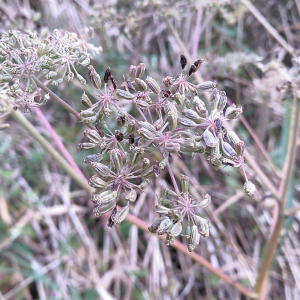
<point>288,170</point>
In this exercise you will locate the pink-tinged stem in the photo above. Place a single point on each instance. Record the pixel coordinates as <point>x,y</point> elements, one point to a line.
<point>58,142</point>
<point>197,34</point>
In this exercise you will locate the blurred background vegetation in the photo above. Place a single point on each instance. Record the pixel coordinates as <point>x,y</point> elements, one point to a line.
<point>51,247</point>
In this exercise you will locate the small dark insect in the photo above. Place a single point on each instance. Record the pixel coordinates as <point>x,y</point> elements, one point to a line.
<point>107,75</point>
<point>99,129</point>
<point>15,108</point>
<point>131,138</point>
<point>119,135</point>
<point>183,61</point>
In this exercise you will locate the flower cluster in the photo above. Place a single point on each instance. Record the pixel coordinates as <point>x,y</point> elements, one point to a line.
<point>178,211</point>
<point>173,120</point>
<point>26,56</point>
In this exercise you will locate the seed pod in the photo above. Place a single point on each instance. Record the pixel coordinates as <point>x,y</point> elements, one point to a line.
<point>163,163</point>
<point>170,193</point>
<point>89,120</point>
<point>147,173</point>
<point>131,196</point>
<point>121,214</point>
<point>215,152</point>
<point>140,70</point>
<point>135,156</point>
<point>239,148</point>
<point>194,239</point>
<point>227,150</point>
<point>160,209</point>
<point>187,123</point>
<point>214,162</point>
<point>145,183</point>
<point>156,224</point>
<point>249,188</point>
<point>101,169</point>
<point>87,146</point>
<point>232,112</point>
<point>42,48</point>
<point>51,75</point>
<point>158,124</point>
<point>147,134</point>
<point>183,61</point>
<point>222,101</point>
<point>172,118</point>
<point>164,226</point>
<point>165,202</point>
<point>131,126</point>
<point>141,84</point>
<point>92,135</point>
<point>214,99</point>
<point>105,197</point>
<point>206,85</point>
<point>153,85</point>
<point>86,101</point>
<point>175,229</point>
<point>178,98</point>
<point>116,159</point>
<point>172,147</point>
<point>124,94</point>
<point>232,137</point>
<point>146,163</point>
<point>209,138</point>
<point>87,113</point>
<point>81,79</point>
<point>94,77</point>
<point>132,70</point>
<point>93,158</point>
<point>97,183</point>
<point>107,75</point>
<point>184,184</point>
<point>104,208</point>
<point>192,115</point>
<point>169,106</point>
<point>203,226</point>
<point>206,201</point>
<point>170,240</point>
<point>141,104</point>
<point>147,126</point>
<point>199,107</point>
